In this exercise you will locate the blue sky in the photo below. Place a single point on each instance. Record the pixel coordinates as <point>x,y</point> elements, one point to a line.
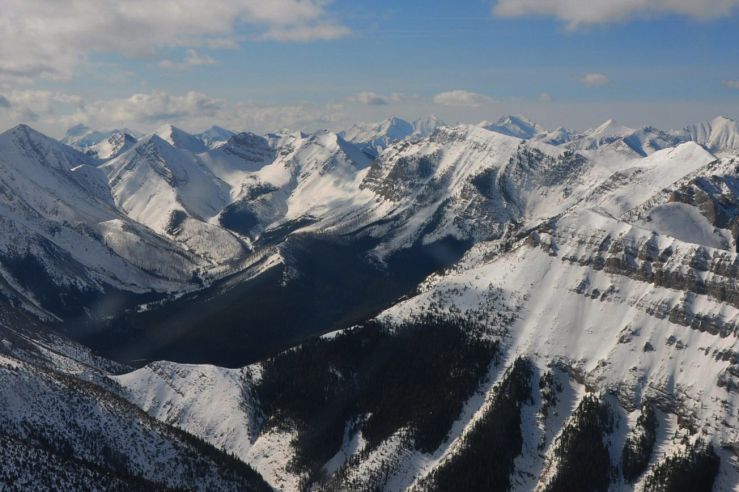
<point>312,63</point>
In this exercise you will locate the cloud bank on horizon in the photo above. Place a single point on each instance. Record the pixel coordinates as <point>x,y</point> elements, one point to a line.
<point>578,13</point>
<point>325,64</point>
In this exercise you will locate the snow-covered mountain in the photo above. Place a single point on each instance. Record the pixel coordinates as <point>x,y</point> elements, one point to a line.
<point>64,425</point>
<point>113,146</point>
<point>514,126</point>
<point>372,138</point>
<point>100,144</point>
<point>719,134</point>
<point>215,136</point>
<point>180,139</point>
<point>423,127</point>
<point>604,302</point>
<point>502,294</point>
<point>63,238</point>
<point>81,137</point>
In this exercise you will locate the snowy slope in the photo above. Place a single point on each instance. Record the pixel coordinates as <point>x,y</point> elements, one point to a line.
<point>180,139</point>
<point>238,158</point>
<point>172,192</point>
<point>372,138</point>
<point>186,394</point>
<point>215,136</point>
<point>62,422</point>
<point>100,144</point>
<point>423,127</point>
<point>465,182</point>
<point>611,268</point>
<point>56,210</point>
<point>514,126</point>
<point>117,143</point>
<point>309,177</point>
<point>719,134</point>
<point>154,179</point>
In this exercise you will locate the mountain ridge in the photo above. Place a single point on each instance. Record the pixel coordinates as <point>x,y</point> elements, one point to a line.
<point>378,320</point>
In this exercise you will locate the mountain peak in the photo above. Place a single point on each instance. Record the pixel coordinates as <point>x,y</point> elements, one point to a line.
<point>180,139</point>
<point>514,126</point>
<point>396,124</point>
<point>611,128</point>
<point>425,126</point>
<point>719,134</point>
<point>25,132</point>
<point>25,141</point>
<point>722,121</point>
<point>215,136</point>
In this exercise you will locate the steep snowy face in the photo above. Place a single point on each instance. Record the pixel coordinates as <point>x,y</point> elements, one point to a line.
<point>423,127</point>
<point>515,126</point>
<point>175,194</point>
<point>180,139</point>
<point>466,182</point>
<point>238,158</point>
<point>61,228</point>
<point>215,136</point>
<point>607,133</point>
<point>117,143</point>
<point>102,145</point>
<point>23,144</point>
<point>310,178</point>
<point>154,180</point>
<point>372,138</point>
<point>82,137</point>
<point>45,179</point>
<point>719,134</point>
<point>642,141</point>
<point>208,401</point>
<point>558,136</point>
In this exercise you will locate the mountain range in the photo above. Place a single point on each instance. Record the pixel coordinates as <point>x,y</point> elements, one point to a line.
<point>395,306</point>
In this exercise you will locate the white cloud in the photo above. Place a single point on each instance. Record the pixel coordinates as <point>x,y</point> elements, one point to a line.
<point>151,108</point>
<point>731,84</point>
<point>194,110</point>
<point>577,13</point>
<point>32,105</point>
<point>50,38</point>
<point>297,34</point>
<point>545,97</point>
<point>192,59</point>
<point>370,98</point>
<point>461,98</point>
<point>595,79</point>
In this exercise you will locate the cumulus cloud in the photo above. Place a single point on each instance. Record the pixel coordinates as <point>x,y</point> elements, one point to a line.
<point>151,108</point>
<point>583,12</point>
<point>33,105</point>
<point>371,99</point>
<point>50,38</point>
<point>595,79</point>
<point>731,84</point>
<point>192,59</point>
<point>194,110</point>
<point>461,98</point>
